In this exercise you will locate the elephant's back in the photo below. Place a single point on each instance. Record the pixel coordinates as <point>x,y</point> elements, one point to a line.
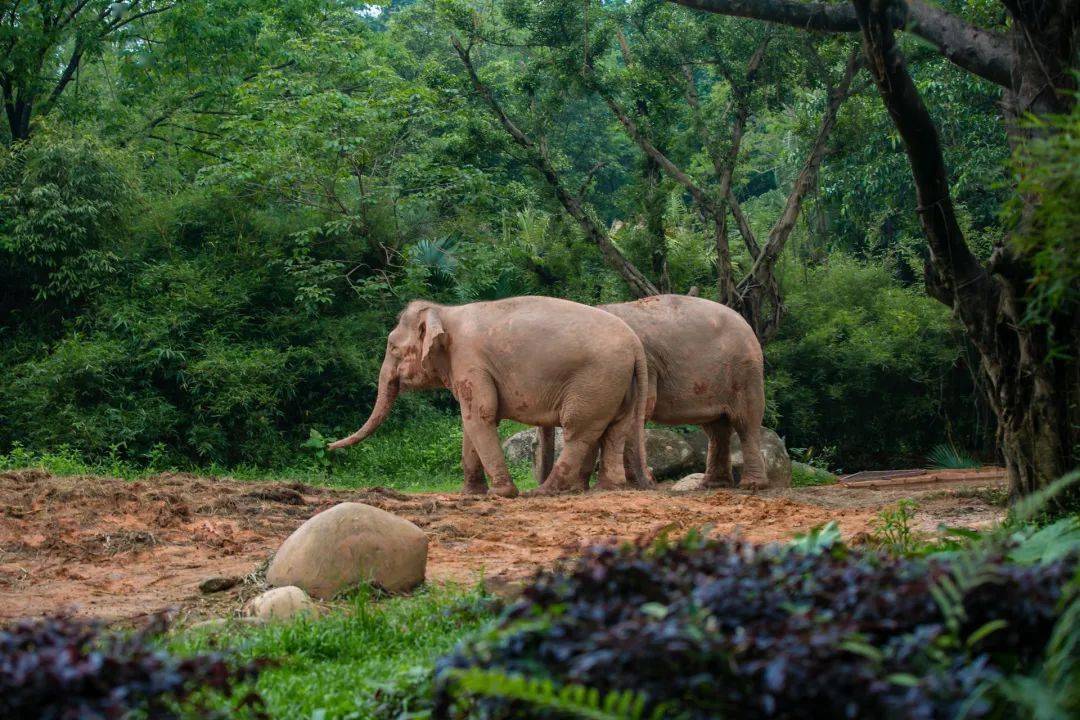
<point>703,354</point>
<point>546,330</point>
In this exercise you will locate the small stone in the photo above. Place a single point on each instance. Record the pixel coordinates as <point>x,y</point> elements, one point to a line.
<point>282,603</point>
<point>218,583</point>
<point>690,483</point>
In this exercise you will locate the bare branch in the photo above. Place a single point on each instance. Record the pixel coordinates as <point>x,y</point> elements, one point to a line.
<point>982,52</point>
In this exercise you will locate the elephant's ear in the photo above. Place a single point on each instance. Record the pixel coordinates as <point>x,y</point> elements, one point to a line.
<point>433,343</point>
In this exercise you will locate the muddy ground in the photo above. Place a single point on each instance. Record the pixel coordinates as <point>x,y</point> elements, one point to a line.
<point>119,550</point>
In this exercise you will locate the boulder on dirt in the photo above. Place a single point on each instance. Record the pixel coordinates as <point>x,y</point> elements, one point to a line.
<point>699,441</point>
<point>670,454</point>
<point>218,583</point>
<point>281,603</point>
<point>521,446</point>
<point>349,544</point>
<point>777,464</point>
<point>775,454</point>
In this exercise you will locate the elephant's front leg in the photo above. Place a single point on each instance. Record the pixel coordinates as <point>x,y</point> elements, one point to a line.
<point>480,423</point>
<point>473,468</point>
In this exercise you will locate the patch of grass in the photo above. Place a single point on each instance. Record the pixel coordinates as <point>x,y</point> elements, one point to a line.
<point>366,660</point>
<point>421,454</point>
<point>803,475</point>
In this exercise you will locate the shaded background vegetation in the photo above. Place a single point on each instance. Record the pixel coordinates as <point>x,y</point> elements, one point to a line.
<point>205,238</point>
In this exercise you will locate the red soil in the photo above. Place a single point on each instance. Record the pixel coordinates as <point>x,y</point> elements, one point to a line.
<point>117,550</point>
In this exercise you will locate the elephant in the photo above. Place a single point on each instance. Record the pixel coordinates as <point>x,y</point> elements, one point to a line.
<point>537,360</point>
<point>705,368</point>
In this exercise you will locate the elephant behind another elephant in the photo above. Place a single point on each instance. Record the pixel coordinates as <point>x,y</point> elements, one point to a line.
<point>705,368</point>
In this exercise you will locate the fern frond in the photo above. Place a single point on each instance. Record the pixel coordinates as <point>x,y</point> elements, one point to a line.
<point>572,699</point>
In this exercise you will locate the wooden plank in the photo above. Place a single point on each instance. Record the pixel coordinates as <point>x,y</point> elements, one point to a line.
<point>929,478</point>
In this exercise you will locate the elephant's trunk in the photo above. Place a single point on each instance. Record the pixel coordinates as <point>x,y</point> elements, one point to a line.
<point>388,390</point>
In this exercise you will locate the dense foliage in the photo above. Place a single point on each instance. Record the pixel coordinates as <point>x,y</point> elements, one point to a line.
<point>63,668</point>
<point>728,629</point>
<point>207,229</point>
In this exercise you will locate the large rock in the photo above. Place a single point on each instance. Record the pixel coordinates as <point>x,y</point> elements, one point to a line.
<point>349,544</point>
<point>281,603</point>
<point>521,446</point>
<point>670,454</point>
<point>777,461</point>
<point>774,453</point>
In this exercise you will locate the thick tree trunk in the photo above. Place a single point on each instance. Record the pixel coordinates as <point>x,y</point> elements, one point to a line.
<point>1033,390</point>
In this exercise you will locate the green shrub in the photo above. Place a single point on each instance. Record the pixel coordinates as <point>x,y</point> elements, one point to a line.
<point>865,365</point>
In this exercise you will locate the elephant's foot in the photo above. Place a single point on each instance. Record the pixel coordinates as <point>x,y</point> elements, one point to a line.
<point>549,488</point>
<point>718,481</point>
<point>648,482</point>
<point>612,482</point>
<point>753,484</point>
<point>506,490</point>
<point>475,488</point>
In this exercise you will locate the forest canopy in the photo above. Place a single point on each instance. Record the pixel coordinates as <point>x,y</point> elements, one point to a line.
<point>211,212</point>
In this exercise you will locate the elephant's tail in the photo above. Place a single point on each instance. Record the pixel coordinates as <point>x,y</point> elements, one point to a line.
<point>641,410</point>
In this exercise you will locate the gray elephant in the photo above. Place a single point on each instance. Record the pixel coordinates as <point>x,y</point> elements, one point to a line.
<point>705,368</point>
<point>537,360</point>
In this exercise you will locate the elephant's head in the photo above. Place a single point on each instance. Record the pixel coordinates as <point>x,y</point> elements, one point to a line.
<point>415,359</point>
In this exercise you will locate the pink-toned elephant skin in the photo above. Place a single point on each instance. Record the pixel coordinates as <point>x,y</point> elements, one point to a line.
<point>705,368</point>
<point>537,360</point>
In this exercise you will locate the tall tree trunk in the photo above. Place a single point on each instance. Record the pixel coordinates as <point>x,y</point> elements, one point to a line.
<point>654,205</point>
<point>1033,390</point>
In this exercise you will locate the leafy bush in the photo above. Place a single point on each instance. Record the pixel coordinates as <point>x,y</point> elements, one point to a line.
<point>866,365</point>
<point>66,668</point>
<point>728,629</point>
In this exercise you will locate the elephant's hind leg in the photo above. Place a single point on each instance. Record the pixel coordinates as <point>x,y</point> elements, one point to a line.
<point>566,474</point>
<point>753,472</point>
<point>718,459</point>
<point>613,446</point>
<point>472,467</point>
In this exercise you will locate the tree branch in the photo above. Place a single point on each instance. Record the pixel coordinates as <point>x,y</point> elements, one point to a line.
<point>761,272</point>
<point>953,274</point>
<point>640,285</point>
<point>982,52</point>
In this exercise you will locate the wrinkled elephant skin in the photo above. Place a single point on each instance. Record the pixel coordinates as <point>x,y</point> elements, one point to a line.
<point>537,360</point>
<point>705,368</point>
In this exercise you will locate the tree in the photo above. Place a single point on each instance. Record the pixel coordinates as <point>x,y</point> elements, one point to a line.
<point>43,45</point>
<point>1031,369</point>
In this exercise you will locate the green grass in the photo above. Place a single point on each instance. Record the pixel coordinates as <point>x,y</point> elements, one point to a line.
<point>368,659</point>
<point>420,455</point>
<point>803,475</point>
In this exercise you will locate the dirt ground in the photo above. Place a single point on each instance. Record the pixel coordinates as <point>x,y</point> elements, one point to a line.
<point>119,550</point>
